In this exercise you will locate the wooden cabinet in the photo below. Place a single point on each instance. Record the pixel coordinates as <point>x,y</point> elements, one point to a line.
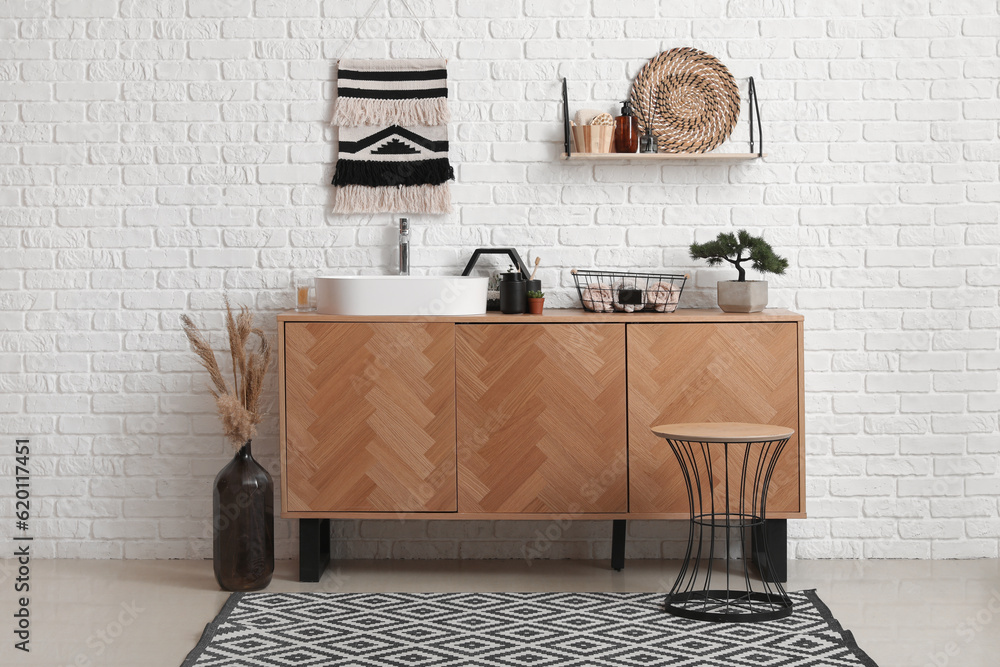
<point>524,416</point>
<point>368,417</point>
<point>541,418</point>
<point>710,372</point>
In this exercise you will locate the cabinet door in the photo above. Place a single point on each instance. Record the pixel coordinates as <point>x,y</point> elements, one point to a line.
<point>541,418</point>
<point>742,372</point>
<point>370,417</point>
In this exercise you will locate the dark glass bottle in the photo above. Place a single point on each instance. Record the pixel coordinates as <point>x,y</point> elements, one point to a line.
<point>647,143</point>
<point>243,521</point>
<point>626,130</point>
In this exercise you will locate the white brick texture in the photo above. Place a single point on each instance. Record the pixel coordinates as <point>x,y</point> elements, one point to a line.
<point>154,154</point>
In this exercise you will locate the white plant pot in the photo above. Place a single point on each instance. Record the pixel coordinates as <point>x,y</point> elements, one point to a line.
<point>749,296</point>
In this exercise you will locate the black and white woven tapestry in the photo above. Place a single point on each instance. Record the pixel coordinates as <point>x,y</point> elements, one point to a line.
<point>510,629</point>
<point>388,92</point>
<point>393,139</point>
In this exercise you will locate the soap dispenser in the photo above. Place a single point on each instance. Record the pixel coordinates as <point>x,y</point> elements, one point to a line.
<point>513,298</point>
<point>626,130</point>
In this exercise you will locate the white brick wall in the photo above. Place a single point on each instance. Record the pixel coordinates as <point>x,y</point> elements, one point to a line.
<point>154,153</point>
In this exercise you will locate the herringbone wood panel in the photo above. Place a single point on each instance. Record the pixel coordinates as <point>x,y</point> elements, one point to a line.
<point>541,418</point>
<point>741,372</point>
<point>370,417</point>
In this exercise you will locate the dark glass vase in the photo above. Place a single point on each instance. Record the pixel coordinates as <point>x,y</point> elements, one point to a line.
<point>243,519</point>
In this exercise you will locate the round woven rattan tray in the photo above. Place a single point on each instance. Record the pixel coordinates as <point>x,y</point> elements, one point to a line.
<point>688,99</point>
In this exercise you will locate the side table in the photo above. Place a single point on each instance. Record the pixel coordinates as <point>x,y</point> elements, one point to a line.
<point>727,468</point>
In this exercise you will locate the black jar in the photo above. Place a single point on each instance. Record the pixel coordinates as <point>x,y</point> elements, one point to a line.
<point>513,298</point>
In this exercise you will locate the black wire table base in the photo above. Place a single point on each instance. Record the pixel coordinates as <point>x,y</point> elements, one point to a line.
<point>728,606</point>
<point>714,510</point>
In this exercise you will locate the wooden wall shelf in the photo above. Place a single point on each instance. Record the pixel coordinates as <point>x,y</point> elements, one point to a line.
<point>661,157</point>
<point>756,144</point>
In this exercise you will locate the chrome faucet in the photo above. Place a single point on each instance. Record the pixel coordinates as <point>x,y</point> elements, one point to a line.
<point>404,247</point>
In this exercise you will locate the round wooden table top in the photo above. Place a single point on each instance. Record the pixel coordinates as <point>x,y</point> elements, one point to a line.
<point>723,432</point>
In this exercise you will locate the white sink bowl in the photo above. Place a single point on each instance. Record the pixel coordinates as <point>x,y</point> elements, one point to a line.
<point>401,295</point>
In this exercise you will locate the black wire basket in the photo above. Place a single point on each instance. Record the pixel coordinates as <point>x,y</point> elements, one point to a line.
<point>628,292</point>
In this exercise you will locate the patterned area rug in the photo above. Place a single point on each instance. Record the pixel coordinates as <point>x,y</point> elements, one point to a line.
<point>510,630</point>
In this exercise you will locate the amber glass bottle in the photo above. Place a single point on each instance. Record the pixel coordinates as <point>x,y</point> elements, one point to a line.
<point>626,130</point>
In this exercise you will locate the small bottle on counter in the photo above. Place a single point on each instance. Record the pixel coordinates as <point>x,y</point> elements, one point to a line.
<point>647,143</point>
<point>304,293</point>
<point>626,130</point>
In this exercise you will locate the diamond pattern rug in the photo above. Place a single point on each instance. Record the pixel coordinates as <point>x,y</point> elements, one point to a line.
<point>510,630</point>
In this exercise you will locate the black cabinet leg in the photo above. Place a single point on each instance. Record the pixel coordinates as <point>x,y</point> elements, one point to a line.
<point>618,545</point>
<point>314,548</point>
<point>772,562</point>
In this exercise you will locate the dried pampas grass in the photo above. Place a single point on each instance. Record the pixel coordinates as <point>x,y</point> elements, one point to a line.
<point>239,406</point>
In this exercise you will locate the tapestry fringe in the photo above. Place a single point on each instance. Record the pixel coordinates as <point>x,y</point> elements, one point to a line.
<point>375,173</point>
<point>393,199</point>
<point>353,111</point>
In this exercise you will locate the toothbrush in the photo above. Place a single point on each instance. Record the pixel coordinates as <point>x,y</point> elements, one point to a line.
<point>537,262</point>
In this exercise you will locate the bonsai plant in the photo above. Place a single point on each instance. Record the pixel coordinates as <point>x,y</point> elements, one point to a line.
<point>536,300</point>
<point>741,295</point>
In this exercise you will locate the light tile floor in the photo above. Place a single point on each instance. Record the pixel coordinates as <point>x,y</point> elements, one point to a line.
<point>151,613</point>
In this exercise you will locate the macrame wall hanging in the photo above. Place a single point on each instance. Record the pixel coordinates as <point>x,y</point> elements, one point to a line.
<point>392,117</point>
